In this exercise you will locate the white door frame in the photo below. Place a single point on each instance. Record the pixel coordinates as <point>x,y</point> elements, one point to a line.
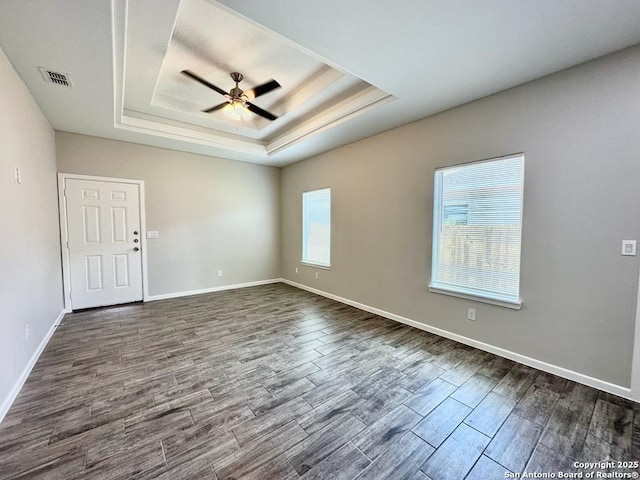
<point>635,363</point>
<point>64,238</point>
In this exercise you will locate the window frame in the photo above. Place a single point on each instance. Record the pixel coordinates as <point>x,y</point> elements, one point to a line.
<point>457,291</point>
<point>306,261</point>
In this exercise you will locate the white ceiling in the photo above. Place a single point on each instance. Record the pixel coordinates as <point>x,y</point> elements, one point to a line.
<point>348,69</point>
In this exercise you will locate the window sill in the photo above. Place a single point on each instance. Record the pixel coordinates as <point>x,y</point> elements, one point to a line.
<point>315,265</point>
<point>514,305</point>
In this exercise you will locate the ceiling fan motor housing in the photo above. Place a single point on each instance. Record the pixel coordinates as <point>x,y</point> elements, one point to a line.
<point>236,92</point>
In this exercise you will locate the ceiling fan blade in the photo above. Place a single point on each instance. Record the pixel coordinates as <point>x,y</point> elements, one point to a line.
<point>262,89</point>
<point>217,107</point>
<point>258,111</point>
<point>204,82</point>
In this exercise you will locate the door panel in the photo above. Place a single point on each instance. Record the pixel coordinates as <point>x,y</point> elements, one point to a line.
<point>91,224</point>
<point>119,224</point>
<point>103,220</point>
<point>93,267</point>
<point>121,270</point>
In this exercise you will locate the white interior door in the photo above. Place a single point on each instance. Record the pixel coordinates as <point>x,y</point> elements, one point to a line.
<point>104,242</point>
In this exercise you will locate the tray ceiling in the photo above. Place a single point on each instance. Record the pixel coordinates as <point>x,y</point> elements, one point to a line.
<point>212,41</point>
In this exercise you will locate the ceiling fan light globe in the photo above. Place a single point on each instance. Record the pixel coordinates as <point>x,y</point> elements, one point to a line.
<point>239,109</point>
<point>230,112</point>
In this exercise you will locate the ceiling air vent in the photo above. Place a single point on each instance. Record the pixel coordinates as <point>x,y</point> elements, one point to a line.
<point>55,77</point>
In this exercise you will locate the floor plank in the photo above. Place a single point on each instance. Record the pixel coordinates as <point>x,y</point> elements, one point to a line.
<point>252,456</point>
<point>488,416</point>
<point>318,446</point>
<point>514,442</point>
<point>474,389</point>
<point>487,469</point>
<point>376,439</point>
<point>401,461</point>
<point>566,430</point>
<point>439,424</point>
<point>430,396</point>
<point>343,464</point>
<point>457,455</point>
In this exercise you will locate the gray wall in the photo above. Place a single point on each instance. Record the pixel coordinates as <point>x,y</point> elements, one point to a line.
<point>579,132</point>
<point>30,276</point>
<point>212,214</point>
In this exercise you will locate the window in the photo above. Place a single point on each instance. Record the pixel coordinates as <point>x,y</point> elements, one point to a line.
<point>316,227</point>
<point>477,225</point>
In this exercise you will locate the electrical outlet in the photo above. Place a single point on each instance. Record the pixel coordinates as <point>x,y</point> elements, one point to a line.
<point>296,269</point>
<point>26,332</point>
<point>471,314</point>
<point>219,273</point>
<point>317,275</point>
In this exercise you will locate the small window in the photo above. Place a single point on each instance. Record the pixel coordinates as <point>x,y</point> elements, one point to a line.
<point>477,225</point>
<point>316,227</point>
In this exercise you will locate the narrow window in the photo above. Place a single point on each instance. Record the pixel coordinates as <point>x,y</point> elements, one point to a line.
<point>316,227</point>
<point>477,225</point>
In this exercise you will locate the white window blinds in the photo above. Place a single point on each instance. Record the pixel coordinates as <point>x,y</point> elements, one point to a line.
<point>316,227</point>
<point>477,224</point>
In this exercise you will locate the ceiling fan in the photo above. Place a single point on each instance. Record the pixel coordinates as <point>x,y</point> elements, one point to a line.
<point>238,98</point>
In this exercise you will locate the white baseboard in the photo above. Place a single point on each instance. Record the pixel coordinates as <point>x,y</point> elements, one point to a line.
<point>187,293</point>
<point>532,362</point>
<point>13,394</point>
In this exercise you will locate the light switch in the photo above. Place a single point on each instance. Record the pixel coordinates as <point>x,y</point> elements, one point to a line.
<point>629,247</point>
<point>153,234</point>
<point>17,174</point>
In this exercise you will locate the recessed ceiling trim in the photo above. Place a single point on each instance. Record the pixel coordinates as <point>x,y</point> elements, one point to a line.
<point>203,131</point>
<point>151,127</point>
<point>355,105</point>
<point>345,110</point>
<point>318,83</point>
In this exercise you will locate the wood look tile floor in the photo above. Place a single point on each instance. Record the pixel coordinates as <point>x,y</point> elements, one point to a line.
<point>272,382</point>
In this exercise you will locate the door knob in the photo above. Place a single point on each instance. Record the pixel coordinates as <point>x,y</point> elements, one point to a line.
<point>135,240</point>
<point>135,232</point>
<point>135,249</point>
